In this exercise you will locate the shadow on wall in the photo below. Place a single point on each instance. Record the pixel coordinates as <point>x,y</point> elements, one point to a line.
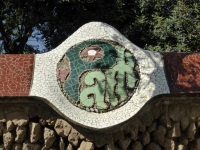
<point>183,71</point>
<point>151,74</point>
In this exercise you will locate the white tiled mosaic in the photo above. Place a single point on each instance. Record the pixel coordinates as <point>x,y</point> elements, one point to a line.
<point>153,81</point>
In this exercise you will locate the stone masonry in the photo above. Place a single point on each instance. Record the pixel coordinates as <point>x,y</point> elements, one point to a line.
<point>167,123</point>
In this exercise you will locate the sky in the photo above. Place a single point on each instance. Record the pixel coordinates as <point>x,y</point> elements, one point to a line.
<point>33,40</point>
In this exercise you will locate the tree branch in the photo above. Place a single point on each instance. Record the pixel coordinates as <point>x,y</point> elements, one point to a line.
<point>6,40</point>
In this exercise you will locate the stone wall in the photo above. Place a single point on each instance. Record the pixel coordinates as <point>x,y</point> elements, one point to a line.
<point>165,123</point>
<point>170,123</point>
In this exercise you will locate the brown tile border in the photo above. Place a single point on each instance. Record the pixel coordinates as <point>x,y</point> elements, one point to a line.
<point>182,72</point>
<point>15,74</point>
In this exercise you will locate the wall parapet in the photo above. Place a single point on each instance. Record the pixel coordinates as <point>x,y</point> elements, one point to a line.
<point>97,79</point>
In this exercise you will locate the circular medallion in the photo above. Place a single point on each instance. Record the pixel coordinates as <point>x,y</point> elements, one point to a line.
<point>98,75</point>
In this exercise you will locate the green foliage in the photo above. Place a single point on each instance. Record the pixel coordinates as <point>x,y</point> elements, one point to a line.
<point>158,25</point>
<point>18,18</point>
<point>179,30</point>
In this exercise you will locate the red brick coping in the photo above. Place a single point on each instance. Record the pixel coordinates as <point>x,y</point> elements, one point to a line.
<point>15,74</point>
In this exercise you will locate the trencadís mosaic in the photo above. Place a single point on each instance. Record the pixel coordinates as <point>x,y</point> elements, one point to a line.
<point>98,75</point>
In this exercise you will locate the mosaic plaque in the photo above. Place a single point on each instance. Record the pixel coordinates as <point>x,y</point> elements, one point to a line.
<point>98,75</point>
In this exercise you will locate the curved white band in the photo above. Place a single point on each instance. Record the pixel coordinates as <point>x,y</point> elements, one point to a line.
<point>152,78</point>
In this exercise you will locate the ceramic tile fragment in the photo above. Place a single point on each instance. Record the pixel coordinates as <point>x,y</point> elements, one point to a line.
<point>183,72</point>
<point>15,74</point>
<point>45,82</point>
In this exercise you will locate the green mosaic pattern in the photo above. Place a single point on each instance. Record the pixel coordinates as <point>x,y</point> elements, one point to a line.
<point>104,84</point>
<point>118,79</point>
<point>78,66</point>
<point>98,89</point>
